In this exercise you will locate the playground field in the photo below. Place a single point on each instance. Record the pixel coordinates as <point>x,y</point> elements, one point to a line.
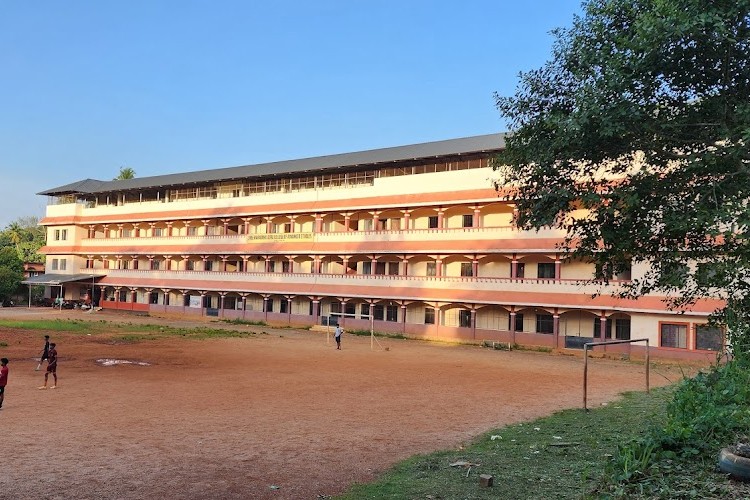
<point>278,414</point>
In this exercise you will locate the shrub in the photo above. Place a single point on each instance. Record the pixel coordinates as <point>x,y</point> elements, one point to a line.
<point>705,413</point>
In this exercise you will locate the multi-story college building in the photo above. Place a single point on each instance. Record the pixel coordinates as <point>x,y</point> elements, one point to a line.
<point>413,240</point>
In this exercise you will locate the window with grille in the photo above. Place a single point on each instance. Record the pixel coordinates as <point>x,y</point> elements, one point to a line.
<point>464,318</point>
<point>673,335</point>
<point>517,325</point>
<point>467,220</point>
<point>431,269</point>
<point>432,222</point>
<point>429,316</point>
<point>622,328</point>
<point>545,323</point>
<point>709,338</point>
<point>466,269</point>
<point>391,313</point>
<point>546,270</point>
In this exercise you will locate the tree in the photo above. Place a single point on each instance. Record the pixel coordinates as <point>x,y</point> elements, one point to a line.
<point>11,272</point>
<point>15,233</point>
<point>125,173</point>
<point>27,236</point>
<point>634,139</point>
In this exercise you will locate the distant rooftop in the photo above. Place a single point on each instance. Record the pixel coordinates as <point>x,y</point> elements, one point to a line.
<point>427,150</point>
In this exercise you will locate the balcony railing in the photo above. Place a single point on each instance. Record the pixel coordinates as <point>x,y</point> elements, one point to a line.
<point>369,233</point>
<point>294,277</point>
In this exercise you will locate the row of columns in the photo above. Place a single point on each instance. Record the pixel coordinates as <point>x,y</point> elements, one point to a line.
<point>318,224</point>
<point>317,263</point>
<point>342,304</point>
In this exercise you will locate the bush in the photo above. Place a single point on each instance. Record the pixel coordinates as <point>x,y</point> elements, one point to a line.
<point>705,414</point>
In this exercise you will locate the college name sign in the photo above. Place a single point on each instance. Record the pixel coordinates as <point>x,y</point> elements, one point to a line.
<point>259,238</point>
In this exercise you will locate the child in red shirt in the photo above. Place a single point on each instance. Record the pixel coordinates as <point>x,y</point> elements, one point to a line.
<point>3,379</point>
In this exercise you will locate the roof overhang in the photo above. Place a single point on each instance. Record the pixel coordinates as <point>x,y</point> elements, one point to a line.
<point>322,164</point>
<point>58,279</point>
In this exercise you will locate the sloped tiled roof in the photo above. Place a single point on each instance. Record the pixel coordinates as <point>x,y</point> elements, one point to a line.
<point>476,144</point>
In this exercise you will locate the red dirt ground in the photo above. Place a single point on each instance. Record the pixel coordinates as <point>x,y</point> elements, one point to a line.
<point>278,415</point>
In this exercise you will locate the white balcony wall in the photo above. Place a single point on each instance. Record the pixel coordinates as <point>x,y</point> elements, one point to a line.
<point>495,269</point>
<point>382,187</point>
<point>576,270</point>
<point>65,210</point>
<point>432,286</point>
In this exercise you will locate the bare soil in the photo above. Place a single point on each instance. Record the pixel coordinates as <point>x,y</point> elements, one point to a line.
<point>282,414</point>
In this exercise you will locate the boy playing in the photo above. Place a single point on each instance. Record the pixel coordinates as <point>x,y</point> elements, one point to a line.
<point>45,352</point>
<point>51,367</point>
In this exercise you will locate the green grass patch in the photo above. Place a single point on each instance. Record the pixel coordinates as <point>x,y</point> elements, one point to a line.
<point>127,332</point>
<point>643,446</point>
<point>367,333</point>
<point>133,338</point>
<point>199,332</point>
<point>55,325</point>
<point>560,456</point>
<point>678,458</point>
<point>531,348</point>
<point>238,321</point>
<point>3,344</point>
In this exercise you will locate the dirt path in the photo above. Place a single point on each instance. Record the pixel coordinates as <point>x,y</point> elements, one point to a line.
<point>278,415</point>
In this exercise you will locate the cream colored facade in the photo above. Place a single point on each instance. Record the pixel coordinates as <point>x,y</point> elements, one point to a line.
<point>419,246</point>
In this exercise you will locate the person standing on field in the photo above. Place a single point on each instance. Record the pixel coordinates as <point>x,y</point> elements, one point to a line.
<point>3,379</point>
<point>337,336</point>
<point>45,352</point>
<point>51,367</point>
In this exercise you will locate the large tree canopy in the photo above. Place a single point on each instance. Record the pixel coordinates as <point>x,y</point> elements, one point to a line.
<point>642,119</point>
<point>26,236</point>
<point>11,272</point>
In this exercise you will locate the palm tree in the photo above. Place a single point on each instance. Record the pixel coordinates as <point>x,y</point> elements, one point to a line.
<point>125,173</point>
<point>15,233</point>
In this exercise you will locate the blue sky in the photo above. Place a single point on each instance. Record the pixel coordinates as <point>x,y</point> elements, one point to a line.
<point>173,86</point>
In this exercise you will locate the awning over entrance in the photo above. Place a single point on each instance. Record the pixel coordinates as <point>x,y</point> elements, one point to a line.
<point>57,279</point>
